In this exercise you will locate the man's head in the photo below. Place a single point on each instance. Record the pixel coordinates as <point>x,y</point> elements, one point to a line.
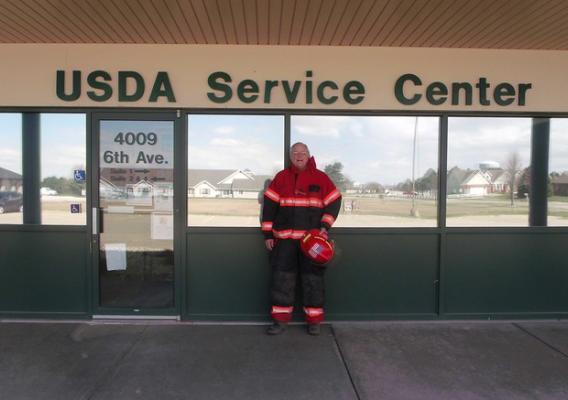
<point>299,155</point>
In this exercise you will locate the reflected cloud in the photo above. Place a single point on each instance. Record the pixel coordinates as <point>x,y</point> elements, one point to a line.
<point>225,142</point>
<point>473,140</point>
<point>224,130</point>
<point>11,159</point>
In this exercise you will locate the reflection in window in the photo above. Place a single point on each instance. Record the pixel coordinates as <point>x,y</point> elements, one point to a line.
<point>11,182</point>
<point>558,173</point>
<point>488,171</point>
<point>63,168</point>
<point>385,167</point>
<point>231,160</point>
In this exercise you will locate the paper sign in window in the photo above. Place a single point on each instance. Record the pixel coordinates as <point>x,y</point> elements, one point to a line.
<point>115,256</point>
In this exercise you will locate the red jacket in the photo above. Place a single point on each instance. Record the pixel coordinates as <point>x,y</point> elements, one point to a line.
<point>297,201</point>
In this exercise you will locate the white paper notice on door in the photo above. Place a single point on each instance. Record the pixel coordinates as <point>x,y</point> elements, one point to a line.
<point>115,256</point>
<point>162,226</point>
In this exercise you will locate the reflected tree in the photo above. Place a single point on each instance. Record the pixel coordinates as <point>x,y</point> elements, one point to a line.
<point>335,173</point>
<point>512,168</point>
<point>373,187</point>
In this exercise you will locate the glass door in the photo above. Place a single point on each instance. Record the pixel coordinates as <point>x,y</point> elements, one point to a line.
<point>133,215</point>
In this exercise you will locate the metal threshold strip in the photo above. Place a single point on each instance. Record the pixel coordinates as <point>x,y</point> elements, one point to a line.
<point>138,317</point>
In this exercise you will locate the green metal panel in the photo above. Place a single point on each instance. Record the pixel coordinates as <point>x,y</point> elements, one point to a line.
<point>227,275</point>
<point>43,272</point>
<point>374,276</point>
<point>506,273</point>
<point>383,275</point>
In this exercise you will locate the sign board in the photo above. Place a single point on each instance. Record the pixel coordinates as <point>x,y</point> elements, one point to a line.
<point>283,77</point>
<point>79,175</point>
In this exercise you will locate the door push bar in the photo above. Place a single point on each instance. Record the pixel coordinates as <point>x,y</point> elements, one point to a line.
<point>97,218</point>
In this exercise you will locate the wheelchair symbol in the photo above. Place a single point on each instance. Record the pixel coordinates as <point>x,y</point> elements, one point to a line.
<point>79,175</point>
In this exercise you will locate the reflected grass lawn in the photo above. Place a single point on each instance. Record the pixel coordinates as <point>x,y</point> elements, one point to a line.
<point>385,206</point>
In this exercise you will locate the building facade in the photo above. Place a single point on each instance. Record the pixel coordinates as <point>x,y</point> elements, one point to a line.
<point>159,154</point>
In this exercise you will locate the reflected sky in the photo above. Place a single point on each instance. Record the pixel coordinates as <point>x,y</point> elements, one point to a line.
<point>472,141</point>
<point>371,149</point>
<point>63,144</point>
<point>558,145</point>
<point>11,142</point>
<point>236,142</point>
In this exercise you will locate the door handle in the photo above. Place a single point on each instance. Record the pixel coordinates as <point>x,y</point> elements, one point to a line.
<point>95,220</point>
<point>97,217</point>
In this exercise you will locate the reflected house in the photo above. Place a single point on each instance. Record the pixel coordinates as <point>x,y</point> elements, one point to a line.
<point>135,183</point>
<point>560,185</point>
<point>225,183</point>
<point>142,189</point>
<point>10,181</point>
<point>109,190</point>
<point>476,183</point>
<point>479,182</point>
<point>500,182</point>
<point>120,177</point>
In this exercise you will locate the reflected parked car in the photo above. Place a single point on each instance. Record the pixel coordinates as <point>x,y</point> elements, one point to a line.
<point>11,201</point>
<point>45,191</point>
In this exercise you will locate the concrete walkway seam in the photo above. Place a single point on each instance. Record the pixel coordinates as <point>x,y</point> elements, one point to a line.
<point>113,370</point>
<point>540,340</point>
<point>340,352</point>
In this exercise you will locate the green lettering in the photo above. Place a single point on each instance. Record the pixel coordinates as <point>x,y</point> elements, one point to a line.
<point>523,87</point>
<point>226,89</point>
<point>93,82</point>
<point>503,90</point>
<point>245,87</point>
<point>436,89</point>
<point>309,84</point>
<point>399,89</point>
<point>123,77</point>
<point>353,88</point>
<point>162,88</point>
<point>75,88</point>
<point>321,88</point>
<point>268,85</point>
<point>482,85</point>
<point>456,86</point>
<point>291,94</point>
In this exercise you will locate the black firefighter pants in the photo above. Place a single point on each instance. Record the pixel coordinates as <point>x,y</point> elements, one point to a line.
<point>287,260</point>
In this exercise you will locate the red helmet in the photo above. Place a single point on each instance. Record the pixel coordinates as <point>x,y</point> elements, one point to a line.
<point>316,247</point>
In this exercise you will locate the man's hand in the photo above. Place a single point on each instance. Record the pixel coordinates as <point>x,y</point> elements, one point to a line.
<point>323,232</point>
<point>269,243</point>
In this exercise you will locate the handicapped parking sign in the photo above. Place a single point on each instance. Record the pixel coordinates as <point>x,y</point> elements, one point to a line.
<point>76,208</point>
<point>79,175</point>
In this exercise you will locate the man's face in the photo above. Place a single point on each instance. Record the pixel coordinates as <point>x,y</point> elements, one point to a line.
<point>300,156</point>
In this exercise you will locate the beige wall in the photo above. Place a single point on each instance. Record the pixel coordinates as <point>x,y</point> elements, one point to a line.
<point>28,73</point>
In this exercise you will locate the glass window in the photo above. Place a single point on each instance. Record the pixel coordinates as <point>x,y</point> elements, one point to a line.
<point>231,159</point>
<point>385,167</point>
<point>63,169</point>
<point>558,170</point>
<point>488,171</point>
<point>11,182</point>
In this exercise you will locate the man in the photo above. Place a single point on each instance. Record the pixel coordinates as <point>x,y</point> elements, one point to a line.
<point>299,198</point>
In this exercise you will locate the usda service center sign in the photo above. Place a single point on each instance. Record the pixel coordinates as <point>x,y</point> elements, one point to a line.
<point>265,77</point>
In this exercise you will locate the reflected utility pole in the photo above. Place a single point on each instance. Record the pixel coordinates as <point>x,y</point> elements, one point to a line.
<point>414,211</point>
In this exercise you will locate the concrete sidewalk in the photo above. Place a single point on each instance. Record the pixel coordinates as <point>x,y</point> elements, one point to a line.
<point>375,360</point>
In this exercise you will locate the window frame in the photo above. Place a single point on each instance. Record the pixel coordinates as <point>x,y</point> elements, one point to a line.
<point>287,112</point>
